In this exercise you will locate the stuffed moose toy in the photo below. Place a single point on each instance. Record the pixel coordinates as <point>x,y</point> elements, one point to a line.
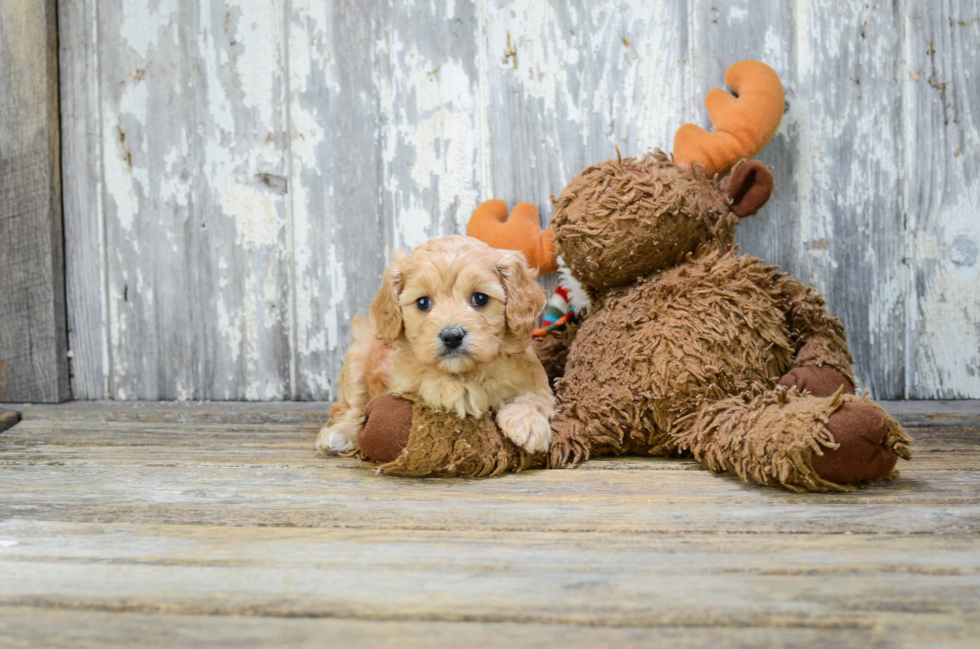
<point>682,346</point>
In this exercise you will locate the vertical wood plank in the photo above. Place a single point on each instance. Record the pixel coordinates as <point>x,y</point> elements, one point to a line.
<point>835,219</point>
<point>941,101</point>
<point>721,34</point>
<point>81,160</point>
<point>33,337</point>
<point>241,168</point>
<point>194,136</point>
<point>851,226</point>
<point>572,81</point>
<point>339,233</point>
<point>432,135</point>
<point>402,161</point>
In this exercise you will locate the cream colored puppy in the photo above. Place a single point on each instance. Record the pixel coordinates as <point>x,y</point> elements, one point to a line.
<point>451,323</point>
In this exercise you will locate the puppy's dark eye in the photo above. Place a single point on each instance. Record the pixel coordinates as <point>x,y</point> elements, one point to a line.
<point>423,303</point>
<point>479,299</point>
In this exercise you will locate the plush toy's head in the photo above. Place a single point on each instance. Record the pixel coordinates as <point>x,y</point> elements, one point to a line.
<point>625,218</point>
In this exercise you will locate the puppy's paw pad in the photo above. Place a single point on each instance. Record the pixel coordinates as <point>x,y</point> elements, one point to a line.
<point>524,425</point>
<point>336,439</point>
<point>539,435</point>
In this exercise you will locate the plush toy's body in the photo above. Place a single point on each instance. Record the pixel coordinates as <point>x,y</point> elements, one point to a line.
<point>688,346</point>
<point>690,359</point>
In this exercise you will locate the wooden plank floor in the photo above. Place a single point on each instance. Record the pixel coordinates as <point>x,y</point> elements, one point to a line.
<point>209,525</point>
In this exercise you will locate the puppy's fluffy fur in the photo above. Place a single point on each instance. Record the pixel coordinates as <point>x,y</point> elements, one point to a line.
<point>400,347</point>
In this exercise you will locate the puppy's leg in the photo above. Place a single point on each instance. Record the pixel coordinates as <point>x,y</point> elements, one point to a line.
<point>364,372</point>
<point>339,434</point>
<point>524,421</point>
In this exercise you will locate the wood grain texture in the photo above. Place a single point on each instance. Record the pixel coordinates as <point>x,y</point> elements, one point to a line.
<point>192,130</point>
<point>82,194</point>
<point>835,220</point>
<point>58,628</point>
<point>278,150</point>
<point>234,531</point>
<point>33,337</point>
<point>339,235</point>
<point>941,105</point>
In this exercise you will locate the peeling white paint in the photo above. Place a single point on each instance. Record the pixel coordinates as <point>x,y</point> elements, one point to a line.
<point>188,129</point>
<point>143,21</point>
<point>439,146</point>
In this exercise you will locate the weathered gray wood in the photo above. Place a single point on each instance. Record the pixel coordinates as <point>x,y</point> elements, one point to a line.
<point>56,628</point>
<point>835,221</point>
<point>493,577</point>
<point>941,129</point>
<point>570,82</point>
<point>915,414</point>
<point>267,172</point>
<point>248,440</point>
<point>193,135</point>
<point>114,533</point>
<point>339,235</point>
<point>267,474</point>
<point>33,339</point>
<point>82,194</point>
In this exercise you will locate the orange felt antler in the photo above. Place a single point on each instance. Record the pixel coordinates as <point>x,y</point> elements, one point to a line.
<point>522,231</point>
<point>743,124</point>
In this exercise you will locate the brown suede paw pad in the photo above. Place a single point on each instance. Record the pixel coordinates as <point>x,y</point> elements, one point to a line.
<point>385,432</point>
<point>859,429</point>
<point>818,381</point>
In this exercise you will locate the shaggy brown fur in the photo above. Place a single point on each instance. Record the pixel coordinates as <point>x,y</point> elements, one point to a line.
<point>702,335</point>
<point>666,209</point>
<point>552,350</point>
<point>688,347</point>
<point>772,436</point>
<point>442,444</point>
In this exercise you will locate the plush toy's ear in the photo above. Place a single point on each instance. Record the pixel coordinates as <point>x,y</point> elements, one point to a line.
<point>385,310</point>
<point>525,300</point>
<point>743,122</point>
<point>749,187</point>
<point>521,232</point>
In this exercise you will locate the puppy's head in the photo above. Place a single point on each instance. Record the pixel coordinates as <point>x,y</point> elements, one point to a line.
<point>458,303</point>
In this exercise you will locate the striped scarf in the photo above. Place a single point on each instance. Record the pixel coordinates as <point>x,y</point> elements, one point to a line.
<point>557,313</point>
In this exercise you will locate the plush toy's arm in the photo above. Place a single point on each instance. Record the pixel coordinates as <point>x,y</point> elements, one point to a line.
<point>409,438</point>
<point>822,361</point>
<point>552,350</point>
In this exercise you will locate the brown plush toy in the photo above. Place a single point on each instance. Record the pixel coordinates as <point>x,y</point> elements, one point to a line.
<point>687,346</point>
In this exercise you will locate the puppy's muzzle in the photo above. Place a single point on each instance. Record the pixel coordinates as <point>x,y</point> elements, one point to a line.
<point>452,339</point>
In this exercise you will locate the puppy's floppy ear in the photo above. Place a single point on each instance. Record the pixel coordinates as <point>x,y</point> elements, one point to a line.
<point>385,310</point>
<point>525,300</point>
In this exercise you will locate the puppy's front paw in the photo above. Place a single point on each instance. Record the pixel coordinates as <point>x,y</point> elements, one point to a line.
<point>523,424</point>
<point>337,438</point>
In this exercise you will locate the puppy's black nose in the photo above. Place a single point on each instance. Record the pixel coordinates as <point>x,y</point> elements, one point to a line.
<point>452,337</point>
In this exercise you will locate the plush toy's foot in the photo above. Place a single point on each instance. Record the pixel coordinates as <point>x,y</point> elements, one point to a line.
<point>386,430</point>
<point>818,381</point>
<point>568,447</point>
<point>860,430</point>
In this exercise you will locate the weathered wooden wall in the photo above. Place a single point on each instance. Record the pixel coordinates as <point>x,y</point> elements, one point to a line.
<point>33,333</point>
<point>236,171</point>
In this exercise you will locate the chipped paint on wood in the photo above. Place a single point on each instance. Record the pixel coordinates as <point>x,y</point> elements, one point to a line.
<point>257,160</point>
<point>941,102</point>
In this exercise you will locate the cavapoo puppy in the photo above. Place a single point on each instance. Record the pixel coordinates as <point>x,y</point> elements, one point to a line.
<point>451,323</point>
